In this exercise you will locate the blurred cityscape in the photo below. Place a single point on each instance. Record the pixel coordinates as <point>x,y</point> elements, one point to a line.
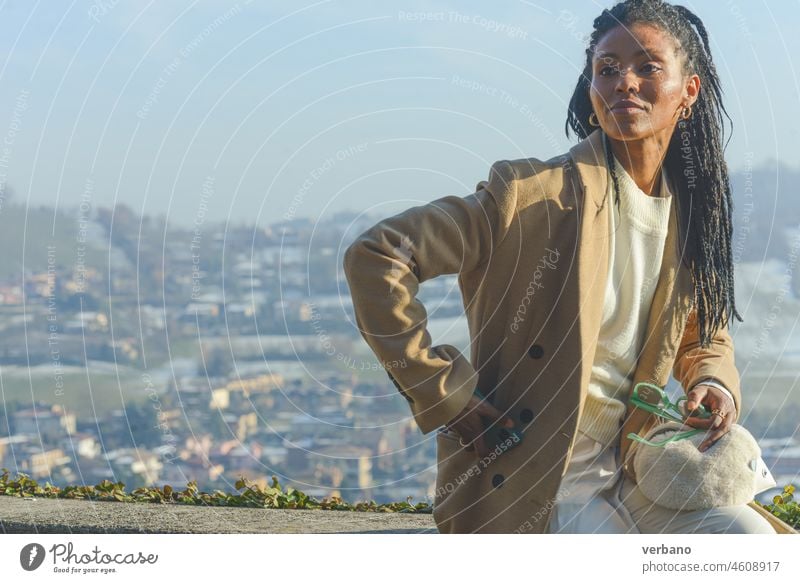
<point>139,352</point>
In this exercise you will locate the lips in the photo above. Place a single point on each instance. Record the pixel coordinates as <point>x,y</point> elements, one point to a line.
<point>627,105</point>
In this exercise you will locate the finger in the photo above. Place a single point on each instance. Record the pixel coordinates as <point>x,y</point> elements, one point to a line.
<point>462,431</point>
<point>480,446</point>
<point>717,418</point>
<point>716,421</point>
<point>713,422</point>
<point>700,423</point>
<point>712,437</point>
<point>470,409</point>
<point>465,442</point>
<point>470,429</point>
<point>718,400</point>
<point>695,397</point>
<point>473,405</point>
<point>492,412</point>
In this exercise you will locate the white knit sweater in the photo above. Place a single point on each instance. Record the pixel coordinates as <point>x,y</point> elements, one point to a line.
<point>638,232</point>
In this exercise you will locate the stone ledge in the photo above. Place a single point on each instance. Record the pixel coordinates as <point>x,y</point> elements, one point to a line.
<point>49,515</point>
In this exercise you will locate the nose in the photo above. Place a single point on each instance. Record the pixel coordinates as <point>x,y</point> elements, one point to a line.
<point>628,81</point>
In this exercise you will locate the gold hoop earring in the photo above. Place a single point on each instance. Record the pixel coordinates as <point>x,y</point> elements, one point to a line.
<point>596,122</point>
<point>686,113</point>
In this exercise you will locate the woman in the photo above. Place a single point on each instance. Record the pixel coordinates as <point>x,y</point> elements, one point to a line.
<point>582,275</point>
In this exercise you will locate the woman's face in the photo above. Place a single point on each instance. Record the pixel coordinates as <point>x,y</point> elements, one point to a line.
<point>639,63</point>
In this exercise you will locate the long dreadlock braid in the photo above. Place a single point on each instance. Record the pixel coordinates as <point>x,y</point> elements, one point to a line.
<point>694,160</point>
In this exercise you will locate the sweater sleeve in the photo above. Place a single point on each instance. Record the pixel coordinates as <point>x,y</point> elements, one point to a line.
<point>384,267</point>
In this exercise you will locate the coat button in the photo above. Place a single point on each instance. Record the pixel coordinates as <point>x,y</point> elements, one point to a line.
<point>536,351</point>
<point>526,416</point>
<point>497,480</point>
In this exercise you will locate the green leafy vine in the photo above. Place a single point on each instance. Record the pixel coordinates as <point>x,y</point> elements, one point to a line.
<point>248,495</point>
<point>785,507</point>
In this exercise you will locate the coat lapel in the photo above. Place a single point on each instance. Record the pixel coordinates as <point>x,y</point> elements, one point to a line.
<point>588,157</point>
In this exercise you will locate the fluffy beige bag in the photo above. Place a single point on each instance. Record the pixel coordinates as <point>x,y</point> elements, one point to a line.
<point>681,477</point>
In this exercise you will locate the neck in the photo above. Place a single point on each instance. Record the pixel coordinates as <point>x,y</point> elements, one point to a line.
<point>642,160</point>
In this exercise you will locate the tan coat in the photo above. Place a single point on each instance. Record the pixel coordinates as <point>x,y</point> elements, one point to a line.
<point>530,247</point>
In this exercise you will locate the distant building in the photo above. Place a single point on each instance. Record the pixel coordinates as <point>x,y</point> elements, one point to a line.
<point>220,398</point>
<point>354,465</point>
<point>43,463</point>
<point>11,449</point>
<point>84,445</point>
<point>50,424</point>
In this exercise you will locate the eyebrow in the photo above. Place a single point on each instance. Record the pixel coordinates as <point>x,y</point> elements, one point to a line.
<point>653,53</point>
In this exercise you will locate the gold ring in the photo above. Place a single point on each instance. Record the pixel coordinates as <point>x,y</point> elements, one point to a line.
<point>717,412</point>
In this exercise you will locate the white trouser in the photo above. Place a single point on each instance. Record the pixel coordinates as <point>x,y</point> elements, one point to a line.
<point>588,499</point>
<point>596,497</point>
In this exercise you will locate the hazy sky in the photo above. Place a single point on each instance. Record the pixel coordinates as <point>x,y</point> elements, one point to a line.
<point>264,110</point>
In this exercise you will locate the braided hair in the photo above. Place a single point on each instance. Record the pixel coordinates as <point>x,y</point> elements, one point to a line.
<point>694,160</point>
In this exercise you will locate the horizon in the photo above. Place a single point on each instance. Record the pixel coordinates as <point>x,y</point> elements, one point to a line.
<point>779,167</point>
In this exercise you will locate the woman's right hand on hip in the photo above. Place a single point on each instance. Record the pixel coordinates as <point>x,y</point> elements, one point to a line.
<point>469,425</point>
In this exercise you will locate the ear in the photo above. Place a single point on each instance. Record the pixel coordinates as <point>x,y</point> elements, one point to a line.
<point>691,90</point>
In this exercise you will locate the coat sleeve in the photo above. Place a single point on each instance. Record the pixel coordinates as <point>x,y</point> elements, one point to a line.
<point>693,363</point>
<point>384,267</point>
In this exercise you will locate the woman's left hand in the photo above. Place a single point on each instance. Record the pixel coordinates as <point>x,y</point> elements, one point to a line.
<point>712,399</point>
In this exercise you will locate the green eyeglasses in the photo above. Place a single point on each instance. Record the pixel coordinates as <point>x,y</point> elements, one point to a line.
<point>653,399</point>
